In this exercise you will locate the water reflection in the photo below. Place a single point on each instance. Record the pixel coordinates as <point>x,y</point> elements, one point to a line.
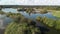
<point>4,21</point>
<point>9,10</point>
<point>33,16</point>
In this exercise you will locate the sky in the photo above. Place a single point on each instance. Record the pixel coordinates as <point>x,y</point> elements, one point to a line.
<point>29,2</point>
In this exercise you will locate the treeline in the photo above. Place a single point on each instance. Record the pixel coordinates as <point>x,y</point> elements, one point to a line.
<point>49,7</point>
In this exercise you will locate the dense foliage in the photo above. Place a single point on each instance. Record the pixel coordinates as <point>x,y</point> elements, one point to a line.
<point>21,25</point>
<point>22,28</point>
<point>54,23</point>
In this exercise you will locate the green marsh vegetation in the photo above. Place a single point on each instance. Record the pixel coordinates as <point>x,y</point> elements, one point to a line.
<point>16,27</point>
<point>52,24</point>
<point>22,25</point>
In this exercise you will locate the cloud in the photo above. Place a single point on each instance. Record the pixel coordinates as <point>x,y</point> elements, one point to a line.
<point>29,2</point>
